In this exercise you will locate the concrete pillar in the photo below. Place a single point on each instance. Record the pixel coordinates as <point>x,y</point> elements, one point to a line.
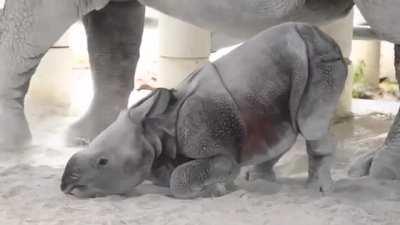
<point>342,31</point>
<point>367,52</point>
<point>51,84</point>
<point>387,61</point>
<point>183,48</point>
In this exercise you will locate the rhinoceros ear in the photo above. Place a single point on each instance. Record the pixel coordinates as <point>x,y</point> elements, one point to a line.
<point>152,106</point>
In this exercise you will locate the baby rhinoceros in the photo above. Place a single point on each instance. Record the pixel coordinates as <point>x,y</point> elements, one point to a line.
<point>247,108</point>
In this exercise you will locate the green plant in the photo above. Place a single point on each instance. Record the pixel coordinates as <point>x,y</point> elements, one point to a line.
<point>358,72</point>
<point>359,82</point>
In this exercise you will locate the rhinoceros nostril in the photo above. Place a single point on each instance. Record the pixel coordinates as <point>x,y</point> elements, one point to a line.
<point>69,180</point>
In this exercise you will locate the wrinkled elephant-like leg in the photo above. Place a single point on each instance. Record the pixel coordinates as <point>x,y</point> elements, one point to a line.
<point>203,177</point>
<point>385,162</point>
<point>28,29</point>
<point>321,156</point>
<point>114,37</point>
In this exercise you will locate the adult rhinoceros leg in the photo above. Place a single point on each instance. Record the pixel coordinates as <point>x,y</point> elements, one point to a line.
<point>114,37</point>
<point>28,29</point>
<point>384,163</point>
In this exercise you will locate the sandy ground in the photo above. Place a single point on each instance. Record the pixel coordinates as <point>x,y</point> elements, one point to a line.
<point>30,179</point>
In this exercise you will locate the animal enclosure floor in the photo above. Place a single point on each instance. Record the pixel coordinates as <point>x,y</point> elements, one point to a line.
<point>30,179</point>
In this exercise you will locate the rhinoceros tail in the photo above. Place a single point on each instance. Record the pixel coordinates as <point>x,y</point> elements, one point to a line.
<point>327,72</point>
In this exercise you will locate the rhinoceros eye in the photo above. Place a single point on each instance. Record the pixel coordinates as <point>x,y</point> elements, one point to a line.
<point>102,162</point>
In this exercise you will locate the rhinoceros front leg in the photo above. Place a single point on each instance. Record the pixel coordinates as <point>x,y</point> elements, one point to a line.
<point>385,162</point>
<point>28,29</point>
<point>320,159</point>
<point>203,177</point>
<point>114,37</point>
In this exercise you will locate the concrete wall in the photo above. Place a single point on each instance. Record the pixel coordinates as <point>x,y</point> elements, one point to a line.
<point>378,57</point>
<point>387,60</point>
<point>183,49</point>
<point>367,53</point>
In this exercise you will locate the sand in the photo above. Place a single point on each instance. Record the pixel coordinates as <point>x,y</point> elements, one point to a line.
<point>30,194</point>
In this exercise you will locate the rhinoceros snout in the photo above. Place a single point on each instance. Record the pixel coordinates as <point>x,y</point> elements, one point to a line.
<point>71,176</point>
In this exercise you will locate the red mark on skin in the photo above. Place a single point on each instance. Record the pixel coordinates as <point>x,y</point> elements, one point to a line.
<point>259,135</point>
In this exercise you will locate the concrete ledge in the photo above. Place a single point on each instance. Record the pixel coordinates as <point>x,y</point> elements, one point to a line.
<point>365,106</point>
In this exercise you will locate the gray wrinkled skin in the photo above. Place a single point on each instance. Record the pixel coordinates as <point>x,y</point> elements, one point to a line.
<point>245,109</point>
<point>385,162</point>
<point>28,28</point>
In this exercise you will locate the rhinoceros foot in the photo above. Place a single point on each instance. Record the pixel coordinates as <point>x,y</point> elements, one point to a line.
<point>386,165</point>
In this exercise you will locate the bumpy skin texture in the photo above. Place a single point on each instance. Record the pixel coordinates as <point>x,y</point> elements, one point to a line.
<point>22,45</point>
<point>255,15</point>
<point>29,28</point>
<point>245,109</point>
<point>384,163</point>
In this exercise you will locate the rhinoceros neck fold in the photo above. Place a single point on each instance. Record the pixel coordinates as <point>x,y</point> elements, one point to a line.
<point>164,126</point>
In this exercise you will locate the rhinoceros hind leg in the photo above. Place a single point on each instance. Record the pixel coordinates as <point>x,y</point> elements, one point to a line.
<point>320,155</point>
<point>204,177</point>
<point>114,38</point>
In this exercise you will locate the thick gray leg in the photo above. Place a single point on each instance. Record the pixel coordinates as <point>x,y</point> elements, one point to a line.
<point>203,177</point>
<point>28,29</point>
<point>320,155</point>
<point>384,163</point>
<point>114,37</point>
